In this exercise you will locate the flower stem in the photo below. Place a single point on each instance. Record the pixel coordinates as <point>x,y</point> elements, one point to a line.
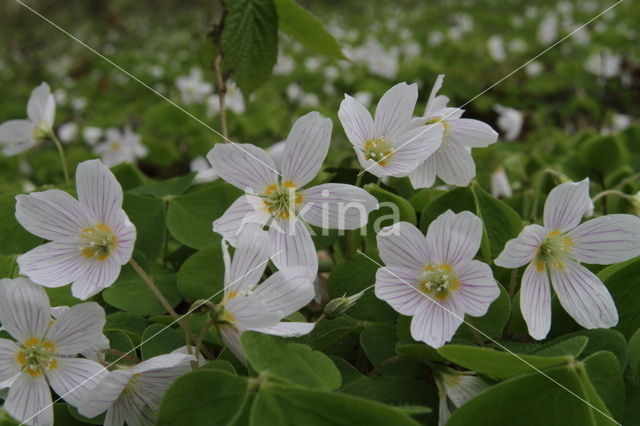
<point>63,159</point>
<point>222,93</point>
<point>611,192</point>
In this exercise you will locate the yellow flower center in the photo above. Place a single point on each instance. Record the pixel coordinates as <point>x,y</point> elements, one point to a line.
<point>553,251</point>
<point>379,150</point>
<point>281,200</point>
<point>439,281</point>
<point>98,242</point>
<point>36,356</point>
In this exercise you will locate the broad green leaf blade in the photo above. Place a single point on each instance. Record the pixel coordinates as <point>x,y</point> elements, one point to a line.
<point>493,322</point>
<point>201,276</point>
<point>378,342</point>
<point>605,374</point>
<point>457,200</point>
<point>572,346</point>
<point>306,28</point>
<point>250,42</point>
<point>624,286</point>
<point>148,215</point>
<point>159,339</point>
<point>293,362</point>
<point>174,186</point>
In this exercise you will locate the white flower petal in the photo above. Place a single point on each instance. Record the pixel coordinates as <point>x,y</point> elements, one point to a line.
<point>53,264</point>
<point>231,339</point>
<point>52,214</point>
<point>454,164</point>
<point>402,244</point>
<point>77,329</point>
<point>95,277</point>
<point>356,121</point>
<point>99,192</point>
<point>292,245</point>
<point>394,110</point>
<point>126,234</point>
<point>608,239</point>
<point>287,329</point>
<point>244,165</point>
<point>454,237</point>
<point>412,148</point>
<point>434,323</point>
<point>337,206</point>
<point>74,378</point>
<point>522,249</point>
<point>246,210</point>
<point>432,104</point>
<point>470,133</point>
<point>535,301</point>
<point>306,148</point>
<point>584,296</point>
<point>398,287</point>
<point>24,308</point>
<point>16,136</point>
<point>286,291</point>
<point>566,205</point>
<point>424,176</point>
<point>8,366</point>
<point>115,415</point>
<point>155,379</point>
<point>250,311</point>
<point>105,393</point>
<point>29,401</point>
<point>250,259</point>
<point>466,388</point>
<point>41,107</point>
<point>478,288</point>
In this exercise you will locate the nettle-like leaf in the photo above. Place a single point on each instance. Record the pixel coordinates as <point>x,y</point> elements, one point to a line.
<point>249,42</point>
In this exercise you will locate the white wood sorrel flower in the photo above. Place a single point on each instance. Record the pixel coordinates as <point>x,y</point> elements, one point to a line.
<point>455,388</point>
<point>281,201</point>
<point>452,161</point>
<point>389,144</point>
<point>17,136</point>
<point>132,394</point>
<point>435,279</point>
<point>45,351</point>
<point>553,252</point>
<point>91,237</point>
<point>247,305</point>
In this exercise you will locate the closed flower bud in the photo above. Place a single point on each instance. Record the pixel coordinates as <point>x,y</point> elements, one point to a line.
<point>340,305</point>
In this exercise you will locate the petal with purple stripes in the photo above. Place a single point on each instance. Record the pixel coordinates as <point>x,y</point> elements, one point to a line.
<point>455,237</point>
<point>105,393</point>
<point>424,176</point>
<point>454,164</point>
<point>231,339</point>
<point>478,288</point>
<point>77,329</point>
<point>99,192</point>
<point>412,148</point>
<point>8,365</point>
<point>435,323</point>
<point>29,401</point>
<point>96,276</point>
<point>292,245</point>
<point>53,264</point>
<point>398,287</point>
<point>24,308</point>
<point>249,312</point>
<point>394,110</point>
<point>286,291</point>
<point>74,378</point>
<point>356,121</point>
<point>607,239</point>
<point>337,206</point>
<point>250,259</point>
<point>522,249</point>
<point>244,166</point>
<point>566,205</point>
<point>535,301</point>
<point>246,210</point>
<point>287,329</point>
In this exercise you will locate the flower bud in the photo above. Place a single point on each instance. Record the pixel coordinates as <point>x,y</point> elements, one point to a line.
<point>340,305</point>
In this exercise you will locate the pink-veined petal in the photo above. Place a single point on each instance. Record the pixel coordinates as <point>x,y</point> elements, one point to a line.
<point>105,393</point>
<point>356,121</point>
<point>8,365</point>
<point>434,323</point>
<point>29,401</point>
<point>584,296</point>
<point>522,249</point>
<point>250,312</point>
<point>398,287</point>
<point>607,239</point>
<point>52,214</point>
<point>470,133</point>
<point>77,329</point>
<point>250,259</point>
<point>74,378</point>
<point>337,206</point>
<point>394,110</point>
<point>99,192</point>
<point>126,234</point>
<point>115,415</point>
<point>286,291</point>
<point>231,339</point>
<point>454,237</point>
<point>566,205</point>
<point>156,378</point>
<point>24,308</point>
<point>53,264</point>
<point>413,147</point>
<point>402,244</point>
<point>535,301</point>
<point>287,329</point>
<point>478,288</point>
<point>454,164</point>
<point>16,136</point>
<point>97,275</point>
<point>246,210</point>
<point>424,176</point>
<point>292,245</point>
<point>41,107</point>
<point>306,148</point>
<point>244,166</point>
<point>434,105</point>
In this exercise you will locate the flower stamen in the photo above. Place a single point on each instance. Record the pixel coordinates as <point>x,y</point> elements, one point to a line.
<point>379,150</point>
<point>98,242</point>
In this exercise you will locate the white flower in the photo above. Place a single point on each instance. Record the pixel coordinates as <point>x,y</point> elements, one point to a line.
<point>67,132</point>
<point>435,279</point>
<point>548,29</point>
<point>91,352</point>
<point>17,136</point>
<point>604,64</point>
<point>281,200</point>
<point>120,147</point>
<point>533,68</point>
<point>204,171</point>
<point>389,144</point>
<point>452,161</point>
<point>45,352</point>
<point>517,45</point>
<point>495,46</point>
<point>284,66</point>
<point>79,103</point>
<point>132,395</point>
<point>500,187</point>
<point>510,121</point>
<point>553,252</point>
<point>454,389</point>
<point>90,237</point>
<point>435,38</point>
<point>192,88</point>
<point>92,134</point>
<point>248,305</point>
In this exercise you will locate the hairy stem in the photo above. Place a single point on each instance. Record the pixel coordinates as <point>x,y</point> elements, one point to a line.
<point>63,158</point>
<point>222,93</point>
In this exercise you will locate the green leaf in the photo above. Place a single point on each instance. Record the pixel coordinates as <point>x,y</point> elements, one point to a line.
<point>174,186</point>
<point>493,322</point>
<point>457,200</point>
<point>500,365</point>
<point>190,216</point>
<point>278,405</point>
<point>250,42</point>
<point>204,397</point>
<point>306,28</point>
<point>15,239</point>
<point>624,286</point>
<point>600,339</point>
<point>293,362</point>
<point>605,375</point>
<point>202,275</point>
<point>398,391</point>
<point>419,352</point>
<point>128,175</point>
<point>634,353</point>
<point>378,342</point>
<point>159,339</point>
<point>147,214</point>
<point>573,346</point>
